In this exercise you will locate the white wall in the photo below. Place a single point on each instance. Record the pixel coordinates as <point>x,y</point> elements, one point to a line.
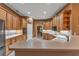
<point>29,29</point>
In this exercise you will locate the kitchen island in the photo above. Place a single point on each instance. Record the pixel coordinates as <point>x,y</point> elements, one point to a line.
<point>36,47</point>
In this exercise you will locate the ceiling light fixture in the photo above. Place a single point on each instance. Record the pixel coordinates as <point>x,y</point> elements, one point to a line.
<point>28,12</point>
<point>44,12</point>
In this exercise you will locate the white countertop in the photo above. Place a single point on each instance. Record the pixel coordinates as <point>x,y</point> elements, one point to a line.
<point>62,35</point>
<point>11,36</point>
<point>50,32</point>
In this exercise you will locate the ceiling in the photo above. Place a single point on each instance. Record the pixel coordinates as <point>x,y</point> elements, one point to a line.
<point>36,10</point>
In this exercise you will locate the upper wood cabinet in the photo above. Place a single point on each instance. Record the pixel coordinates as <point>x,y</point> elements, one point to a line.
<point>24,22</point>
<point>16,22</point>
<point>55,21</point>
<point>9,21</point>
<point>66,20</point>
<point>2,14</point>
<point>48,25</point>
<point>13,22</point>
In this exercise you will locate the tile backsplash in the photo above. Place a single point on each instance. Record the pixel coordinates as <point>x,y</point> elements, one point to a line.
<point>12,32</point>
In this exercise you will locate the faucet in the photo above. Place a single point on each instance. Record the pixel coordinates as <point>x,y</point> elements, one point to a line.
<point>66,37</point>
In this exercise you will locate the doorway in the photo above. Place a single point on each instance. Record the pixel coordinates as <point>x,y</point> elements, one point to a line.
<point>39,33</point>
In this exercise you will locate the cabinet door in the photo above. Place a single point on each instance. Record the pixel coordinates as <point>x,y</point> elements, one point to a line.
<point>20,38</point>
<point>16,22</point>
<point>2,14</point>
<point>9,21</point>
<point>24,23</point>
<point>48,25</point>
<point>13,40</point>
<point>8,43</point>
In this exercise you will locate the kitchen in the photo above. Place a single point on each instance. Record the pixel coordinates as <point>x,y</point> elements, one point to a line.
<point>31,34</point>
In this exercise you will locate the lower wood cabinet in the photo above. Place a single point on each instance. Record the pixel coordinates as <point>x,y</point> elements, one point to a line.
<point>50,37</point>
<point>13,40</point>
<point>8,43</point>
<point>20,38</point>
<point>47,36</point>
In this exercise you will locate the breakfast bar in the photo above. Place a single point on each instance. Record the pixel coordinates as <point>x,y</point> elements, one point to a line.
<point>36,47</point>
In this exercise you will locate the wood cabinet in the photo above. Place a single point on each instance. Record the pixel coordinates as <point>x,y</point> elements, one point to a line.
<point>13,40</point>
<point>20,38</point>
<point>12,20</point>
<point>16,22</point>
<point>47,36</point>
<point>48,25</point>
<point>75,18</point>
<point>8,43</point>
<point>63,19</point>
<point>9,21</point>
<point>54,21</point>
<point>50,37</point>
<point>66,20</point>
<point>24,22</point>
<point>2,14</point>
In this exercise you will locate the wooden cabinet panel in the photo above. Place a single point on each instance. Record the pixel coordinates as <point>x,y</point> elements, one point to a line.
<point>2,14</point>
<point>20,38</point>
<point>50,37</point>
<point>18,26</point>
<point>8,43</point>
<point>13,22</point>
<point>24,37</point>
<point>9,21</point>
<point>66,20</point>
<point>47,36</point>
<point>16,22</point>
<point>54,21</point>
<point>24,22</point>
<point>11,41</point>
<point>48,25</point>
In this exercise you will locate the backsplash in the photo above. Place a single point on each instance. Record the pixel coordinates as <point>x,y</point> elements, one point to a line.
<point>12,33</point>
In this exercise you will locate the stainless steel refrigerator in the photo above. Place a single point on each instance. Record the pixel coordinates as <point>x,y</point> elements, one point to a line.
<point>2,38</point>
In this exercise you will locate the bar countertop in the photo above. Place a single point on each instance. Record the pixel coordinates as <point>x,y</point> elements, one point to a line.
<point>47,44</point>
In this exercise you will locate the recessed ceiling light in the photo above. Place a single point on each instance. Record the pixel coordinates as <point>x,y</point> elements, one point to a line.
<point>28,12</point>
<point>45,12</point>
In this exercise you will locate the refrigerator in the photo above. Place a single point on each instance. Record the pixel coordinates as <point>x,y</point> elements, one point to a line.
<point>2,37</point>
